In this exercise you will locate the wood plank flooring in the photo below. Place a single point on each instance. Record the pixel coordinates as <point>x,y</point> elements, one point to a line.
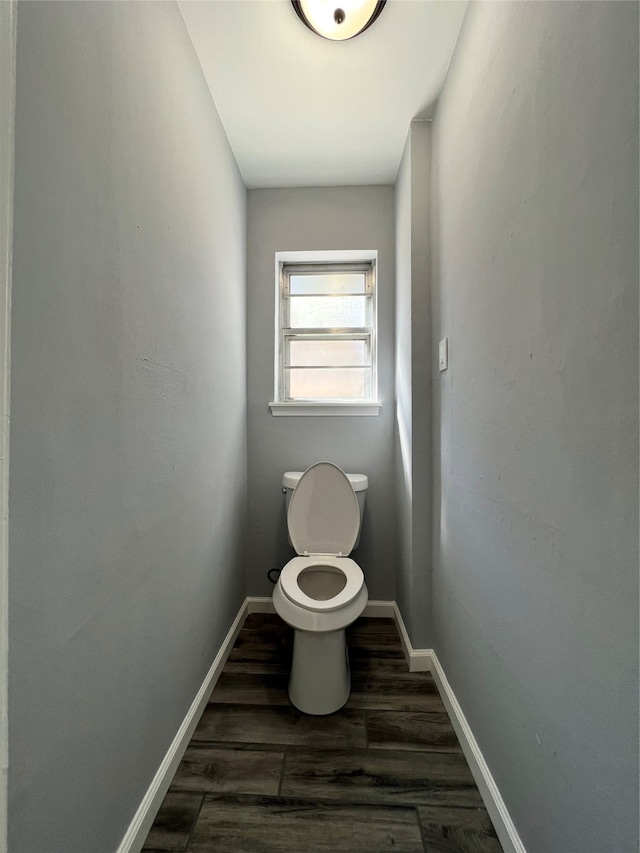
<point>384,773</point>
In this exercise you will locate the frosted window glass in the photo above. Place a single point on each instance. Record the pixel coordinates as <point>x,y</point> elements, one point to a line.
<point>331,384</point>
<point>327,312</point>
<point>329,353</point>
<point>328,283</point>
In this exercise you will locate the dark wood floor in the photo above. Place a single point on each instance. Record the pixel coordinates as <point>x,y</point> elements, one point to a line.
<point>384,773</point>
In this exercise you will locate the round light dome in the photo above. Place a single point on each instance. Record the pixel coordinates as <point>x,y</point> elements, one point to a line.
<point>338,20</point>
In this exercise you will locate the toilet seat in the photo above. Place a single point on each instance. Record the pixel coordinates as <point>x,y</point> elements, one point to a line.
<point>323,521</point>
<point>324,514</point>
<point>291,572</point>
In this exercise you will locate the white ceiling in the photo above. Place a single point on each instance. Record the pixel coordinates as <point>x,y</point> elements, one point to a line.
<point>303,111</point>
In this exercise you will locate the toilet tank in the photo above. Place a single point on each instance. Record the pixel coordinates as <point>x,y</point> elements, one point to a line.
<point>360,484</point>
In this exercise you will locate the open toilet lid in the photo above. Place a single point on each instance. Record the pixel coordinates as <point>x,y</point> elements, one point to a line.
<point>324,514</point>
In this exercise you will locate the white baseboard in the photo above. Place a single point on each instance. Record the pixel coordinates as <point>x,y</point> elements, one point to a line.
<point>258,604</point>
<point>381,609</point>
<point>418,660</point>
<point>504,827</point>
<point>139,827</point>
<point>384,609</point>
<point>426,660</point>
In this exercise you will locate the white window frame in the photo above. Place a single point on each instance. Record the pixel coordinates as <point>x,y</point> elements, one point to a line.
<point>288,263</point>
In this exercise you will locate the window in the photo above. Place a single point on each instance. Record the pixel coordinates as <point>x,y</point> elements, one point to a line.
<point>326,333</point>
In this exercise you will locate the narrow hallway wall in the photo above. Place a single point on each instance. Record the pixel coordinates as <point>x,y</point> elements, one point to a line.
<point>535,182</point>
<point>413,385</point>
<point>316,219</point>
<point>128,457</point>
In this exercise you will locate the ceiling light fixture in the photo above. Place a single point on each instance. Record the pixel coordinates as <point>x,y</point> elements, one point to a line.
<point>338,20</point>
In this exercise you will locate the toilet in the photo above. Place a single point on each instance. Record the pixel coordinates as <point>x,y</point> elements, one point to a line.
<point>322,591</point>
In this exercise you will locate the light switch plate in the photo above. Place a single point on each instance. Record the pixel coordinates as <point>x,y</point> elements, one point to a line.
<point>443,354</point>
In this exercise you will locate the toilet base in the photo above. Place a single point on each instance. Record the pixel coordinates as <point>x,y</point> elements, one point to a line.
<point>320,680</point>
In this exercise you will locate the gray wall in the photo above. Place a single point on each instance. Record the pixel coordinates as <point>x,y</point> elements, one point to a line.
<point>535,182</point>
<point>306,220</point>
<point>8,19</point>
<point>128,458</point>
<point>413,384</point>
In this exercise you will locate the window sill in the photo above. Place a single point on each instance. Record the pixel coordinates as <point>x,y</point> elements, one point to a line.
<point>324,410</point>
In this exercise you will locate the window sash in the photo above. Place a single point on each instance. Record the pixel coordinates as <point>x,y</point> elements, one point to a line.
<point>357,309</point>
<point>288,269</point>
<point>351,335</point>
<point>287,334</point>
<point>353,373</point>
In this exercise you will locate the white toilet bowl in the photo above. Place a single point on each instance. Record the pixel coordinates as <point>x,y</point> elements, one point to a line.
<point>321,591</point>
